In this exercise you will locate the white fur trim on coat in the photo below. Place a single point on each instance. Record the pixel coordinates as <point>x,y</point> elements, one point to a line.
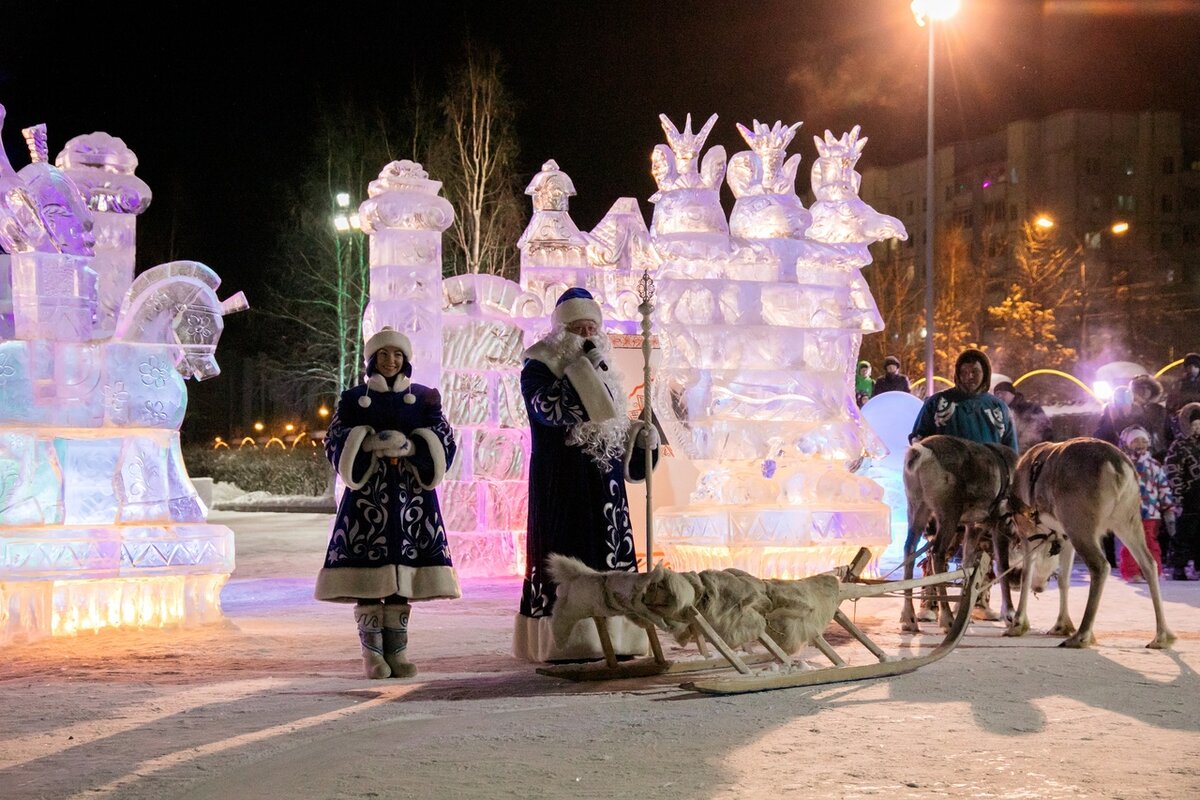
<point>378,383</point>
<point>534,641</point>
<point>347,584</point>
<point>350,450</point>
<point>439,457</point>
<point>597,402</point>
<point>577,308</point>
<point>635,427</point>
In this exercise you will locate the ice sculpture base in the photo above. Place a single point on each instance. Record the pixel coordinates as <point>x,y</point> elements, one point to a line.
<point>488,554</point>
<point>63,580</point>
<point>771,541</point>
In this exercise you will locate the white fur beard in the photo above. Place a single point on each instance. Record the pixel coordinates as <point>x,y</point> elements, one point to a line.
<point>603,441</point>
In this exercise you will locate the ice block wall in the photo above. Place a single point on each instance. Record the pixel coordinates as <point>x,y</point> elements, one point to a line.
<point>484,496</point>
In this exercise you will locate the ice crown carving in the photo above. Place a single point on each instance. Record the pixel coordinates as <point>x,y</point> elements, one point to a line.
<point>768,140</point>
<point>675,167</point>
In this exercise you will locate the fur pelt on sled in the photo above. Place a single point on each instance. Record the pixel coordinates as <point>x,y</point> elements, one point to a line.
<point>739,606</point>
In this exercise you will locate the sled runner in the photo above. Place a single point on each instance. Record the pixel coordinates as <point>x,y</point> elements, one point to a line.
<point>783,670</point>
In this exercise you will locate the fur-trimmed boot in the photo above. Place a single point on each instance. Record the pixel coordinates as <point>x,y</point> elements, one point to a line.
<point>370,636</point>
<point>395,639</point>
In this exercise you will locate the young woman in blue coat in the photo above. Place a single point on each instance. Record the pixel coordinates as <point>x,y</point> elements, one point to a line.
<point>391,446</point>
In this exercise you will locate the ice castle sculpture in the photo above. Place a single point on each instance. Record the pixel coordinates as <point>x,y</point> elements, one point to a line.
<point>761,322</point>
<point>100,526</point>
<point>759,318</point>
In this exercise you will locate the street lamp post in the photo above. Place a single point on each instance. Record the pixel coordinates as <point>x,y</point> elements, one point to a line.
<point>926,13</point>
<point>346,223</point>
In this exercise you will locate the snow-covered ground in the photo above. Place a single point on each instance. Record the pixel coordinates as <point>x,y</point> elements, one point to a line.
<point>269,703</point>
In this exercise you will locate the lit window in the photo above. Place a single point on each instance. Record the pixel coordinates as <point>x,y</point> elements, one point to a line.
<point>1091,240</point>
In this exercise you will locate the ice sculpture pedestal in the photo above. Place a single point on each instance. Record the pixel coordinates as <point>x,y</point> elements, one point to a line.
<point>99,523</point>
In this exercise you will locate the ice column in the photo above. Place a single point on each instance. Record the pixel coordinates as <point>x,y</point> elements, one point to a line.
<point>484,496</point>
<point>405,218</point>
<point>102,167</point>
<point>761,334</point>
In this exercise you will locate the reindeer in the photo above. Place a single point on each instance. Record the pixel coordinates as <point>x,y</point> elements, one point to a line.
<point>1077,491</point>
<point>952,481</point>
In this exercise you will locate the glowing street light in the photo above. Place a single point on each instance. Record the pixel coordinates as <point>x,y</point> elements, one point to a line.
<point>289,427</point>
<point>1119,228</point>
<point>322,412</point>
<point>345,220</point>
<point>258,426</point>
<point>1044,223</point>
<point>930,11</point>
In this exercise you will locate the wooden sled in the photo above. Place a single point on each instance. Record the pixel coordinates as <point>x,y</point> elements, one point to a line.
<point>788,673</point>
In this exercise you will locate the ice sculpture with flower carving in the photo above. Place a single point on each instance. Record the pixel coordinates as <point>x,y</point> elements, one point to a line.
<point>100,525</point>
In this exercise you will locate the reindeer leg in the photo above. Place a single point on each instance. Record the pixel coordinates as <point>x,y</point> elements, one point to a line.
<point>945,613</point>
<point>1136,543</point>
<point>1093,556</point>
<point>1019,626</point>
<point>918,518</point>
<point>1066,559</point>
<point>1000,558</point>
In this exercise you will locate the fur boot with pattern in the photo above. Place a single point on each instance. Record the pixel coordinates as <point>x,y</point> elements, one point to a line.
<point>370,636</point>
<point>395,639</point>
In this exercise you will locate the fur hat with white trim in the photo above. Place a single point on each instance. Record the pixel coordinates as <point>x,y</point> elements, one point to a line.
<point>576,304</point>
<point>388,337</point>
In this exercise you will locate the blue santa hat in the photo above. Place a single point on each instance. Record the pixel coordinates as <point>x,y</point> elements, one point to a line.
<point>576,304</point>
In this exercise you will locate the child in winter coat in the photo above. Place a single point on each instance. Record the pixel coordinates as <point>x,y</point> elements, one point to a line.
<point>1157,498</point>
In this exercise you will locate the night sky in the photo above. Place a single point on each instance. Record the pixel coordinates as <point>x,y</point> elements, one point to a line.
<point>218,102</point>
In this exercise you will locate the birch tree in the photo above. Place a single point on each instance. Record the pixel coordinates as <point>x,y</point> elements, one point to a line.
<point>476,161</point>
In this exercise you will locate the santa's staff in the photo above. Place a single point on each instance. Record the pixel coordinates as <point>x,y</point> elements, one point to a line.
<point>645,308</point>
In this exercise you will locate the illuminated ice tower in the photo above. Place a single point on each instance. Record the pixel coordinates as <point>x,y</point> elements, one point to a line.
<point>761,332</point>
<point>100,525</point>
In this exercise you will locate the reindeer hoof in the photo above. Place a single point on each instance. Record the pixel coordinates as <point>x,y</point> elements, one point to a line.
<point>1017,630</point>
<point>1163,641</point>
<point>909,626</point>
<point>984,613</point>
<point>1078,642</point>
<point>926,615</point>
<point>1061,630</point>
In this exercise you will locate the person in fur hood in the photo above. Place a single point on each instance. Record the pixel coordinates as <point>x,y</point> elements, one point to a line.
<point>967,410</point>
<point>391,446</point>
<point>1183,470</point>
<point>583,449</point>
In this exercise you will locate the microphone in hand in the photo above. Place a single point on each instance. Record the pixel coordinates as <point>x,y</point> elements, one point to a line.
<point>593,355</point>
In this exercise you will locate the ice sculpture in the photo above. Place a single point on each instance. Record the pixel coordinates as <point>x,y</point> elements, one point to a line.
<point>608,261</point>
<point>100,525</point>
<point>761,331</point>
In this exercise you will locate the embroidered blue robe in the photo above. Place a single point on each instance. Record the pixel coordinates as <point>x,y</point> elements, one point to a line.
<point>388,536</point>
